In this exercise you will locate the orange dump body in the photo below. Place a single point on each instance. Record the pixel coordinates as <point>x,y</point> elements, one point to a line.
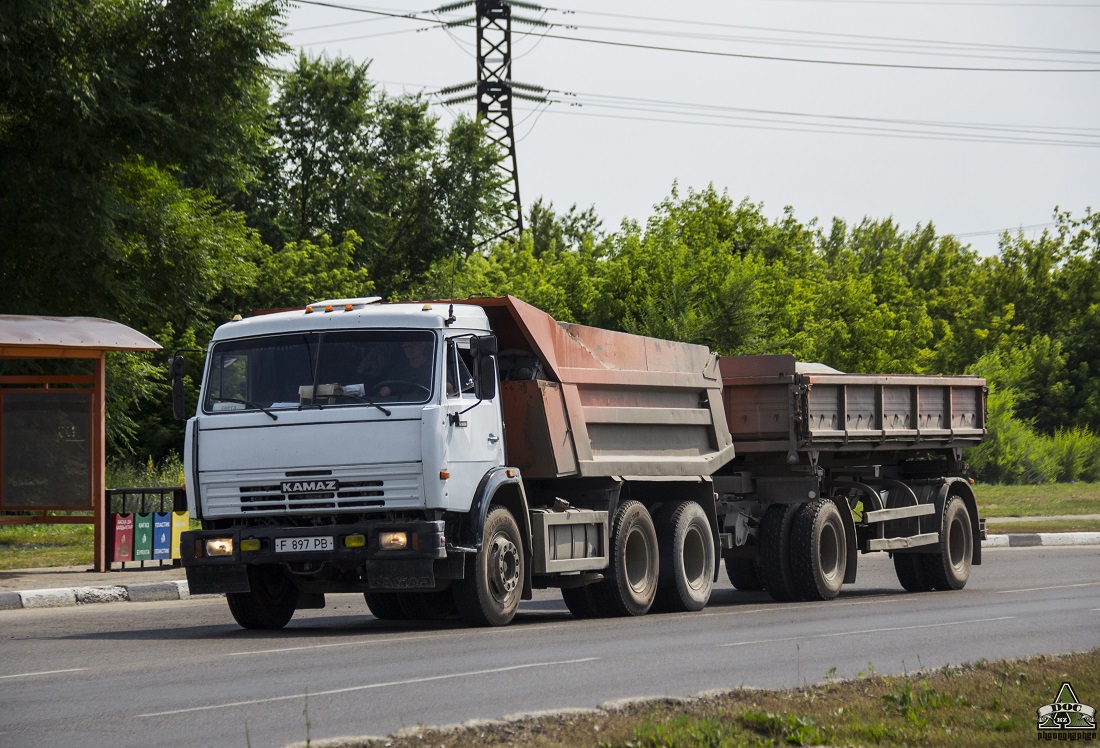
<point>581,401</point>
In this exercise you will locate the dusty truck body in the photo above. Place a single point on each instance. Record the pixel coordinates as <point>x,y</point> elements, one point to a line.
<point>831,466</point>
<point>535,454</point>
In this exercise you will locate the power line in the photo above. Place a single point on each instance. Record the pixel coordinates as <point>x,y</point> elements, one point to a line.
<point>736,55</point>
<point>758,123</point>
<point>869,37</point>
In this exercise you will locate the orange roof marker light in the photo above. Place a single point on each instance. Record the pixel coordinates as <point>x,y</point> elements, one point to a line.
<point>348,304</point>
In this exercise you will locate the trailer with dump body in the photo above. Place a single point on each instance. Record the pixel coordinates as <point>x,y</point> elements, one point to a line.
<point>449,457</point>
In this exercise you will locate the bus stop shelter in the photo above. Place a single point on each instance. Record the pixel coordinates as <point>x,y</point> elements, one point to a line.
<point>53,426</point>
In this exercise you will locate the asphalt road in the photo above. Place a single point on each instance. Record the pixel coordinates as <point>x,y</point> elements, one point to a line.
<point>182,673</point>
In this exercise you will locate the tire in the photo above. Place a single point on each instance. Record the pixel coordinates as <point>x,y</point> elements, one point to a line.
<point>271,602</point>
<point>384,606</point>
<point>910,570</point>
<point>427,606</point>
<point>949,568</point>
<point>775,557</point>
<point>579,602</point>
<point>819,550</point>
<point>631,583</point>
<point>744,573</point>
<point>687,558</point>
<point>490,592</point>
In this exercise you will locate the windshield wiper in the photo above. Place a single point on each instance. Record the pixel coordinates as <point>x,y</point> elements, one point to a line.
<point>365,400</point>
<point>247,403</point>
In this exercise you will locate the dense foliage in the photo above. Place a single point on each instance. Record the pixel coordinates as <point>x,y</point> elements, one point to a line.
<point>160,172</point>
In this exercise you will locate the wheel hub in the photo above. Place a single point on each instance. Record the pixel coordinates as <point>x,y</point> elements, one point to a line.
<point>503,566</point>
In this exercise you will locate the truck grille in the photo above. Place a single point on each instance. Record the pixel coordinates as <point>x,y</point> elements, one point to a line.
<point>358,489</point>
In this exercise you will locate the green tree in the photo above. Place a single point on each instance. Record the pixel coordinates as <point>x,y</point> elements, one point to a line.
<point>347,158</point>
<point>125,129</point>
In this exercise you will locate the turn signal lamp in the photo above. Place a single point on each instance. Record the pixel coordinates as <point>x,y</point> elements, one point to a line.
<point>219,547</point>
<point>393,541</point>
<point>444,474</point>
<point>249,545</point>
<point>355,541</point>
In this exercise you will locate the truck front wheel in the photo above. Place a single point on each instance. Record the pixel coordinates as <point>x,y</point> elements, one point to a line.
<point>490,592</point>
<point>631,583</point>
<point>687,558</point>
<point>271,602</point>
<point>949,569</point>
<point>384,605</point>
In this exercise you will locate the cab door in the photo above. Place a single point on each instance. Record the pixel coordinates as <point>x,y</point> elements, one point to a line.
<point>474,431</point>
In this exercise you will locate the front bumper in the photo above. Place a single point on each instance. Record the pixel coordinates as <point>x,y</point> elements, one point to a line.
<point>344,568</point>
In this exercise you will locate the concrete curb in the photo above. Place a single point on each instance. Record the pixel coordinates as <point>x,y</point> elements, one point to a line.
<point>64,597</point>
<point>1032,539</point>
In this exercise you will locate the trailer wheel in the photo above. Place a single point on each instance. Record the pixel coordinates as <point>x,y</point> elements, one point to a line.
<point>490,592</point>
<point>744,573</point>
<point>910,570</point>
<point>579,602</point>
<point>687,558</point>
<point>271,602</point>
<point>949,569</point>
<point>384,606</point>
<point>819,553</point>
<point>775,551</point>
<point>631,583</point>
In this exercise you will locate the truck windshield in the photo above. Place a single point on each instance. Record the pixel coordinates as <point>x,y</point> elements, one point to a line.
<point>353,368</point>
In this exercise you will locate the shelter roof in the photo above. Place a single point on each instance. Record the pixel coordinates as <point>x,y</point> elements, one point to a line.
<point>87,333</point>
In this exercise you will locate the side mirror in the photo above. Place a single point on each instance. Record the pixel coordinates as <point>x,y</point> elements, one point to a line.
<point>485,345</point>
<point>485,377</point>
<point>484,350</point>
<point>177,367</point>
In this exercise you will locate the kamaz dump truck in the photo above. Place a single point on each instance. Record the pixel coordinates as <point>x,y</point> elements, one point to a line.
<point>450,457</point>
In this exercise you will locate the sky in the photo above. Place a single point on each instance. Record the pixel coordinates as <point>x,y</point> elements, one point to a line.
<point>975,115</point>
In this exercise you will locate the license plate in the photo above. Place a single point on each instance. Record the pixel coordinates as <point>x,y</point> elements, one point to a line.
<point>303,544</point>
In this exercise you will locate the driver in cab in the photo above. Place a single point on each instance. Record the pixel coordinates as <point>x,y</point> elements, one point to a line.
<point>415,371</point>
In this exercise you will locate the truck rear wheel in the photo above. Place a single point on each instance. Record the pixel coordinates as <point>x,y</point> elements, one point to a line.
<point>271,602</point>
<point>490,592</point>
<point>384,606</point>
<point>687,558</point>
<point>819,553</point>
<point>744,573</point>
<point>579,602</point>
<point>631,583</point>
<point>949,569</point>
<point>775,552</point>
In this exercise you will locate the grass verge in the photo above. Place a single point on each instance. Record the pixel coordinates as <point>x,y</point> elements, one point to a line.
<point>982,704</point>
<point>1038,501</point>
<point>1009,525</point>
<point>42,546</point>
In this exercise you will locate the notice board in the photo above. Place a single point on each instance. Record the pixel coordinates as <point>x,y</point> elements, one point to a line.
<point>45,441</point>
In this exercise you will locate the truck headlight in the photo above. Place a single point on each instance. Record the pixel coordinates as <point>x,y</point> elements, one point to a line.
<point>392,541</point>
<point>219,547</point>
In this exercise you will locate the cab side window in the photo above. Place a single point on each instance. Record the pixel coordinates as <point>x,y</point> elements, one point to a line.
<point>459,365</point>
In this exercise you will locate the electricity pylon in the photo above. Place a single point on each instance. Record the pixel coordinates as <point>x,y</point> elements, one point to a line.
<point>494,90</point>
